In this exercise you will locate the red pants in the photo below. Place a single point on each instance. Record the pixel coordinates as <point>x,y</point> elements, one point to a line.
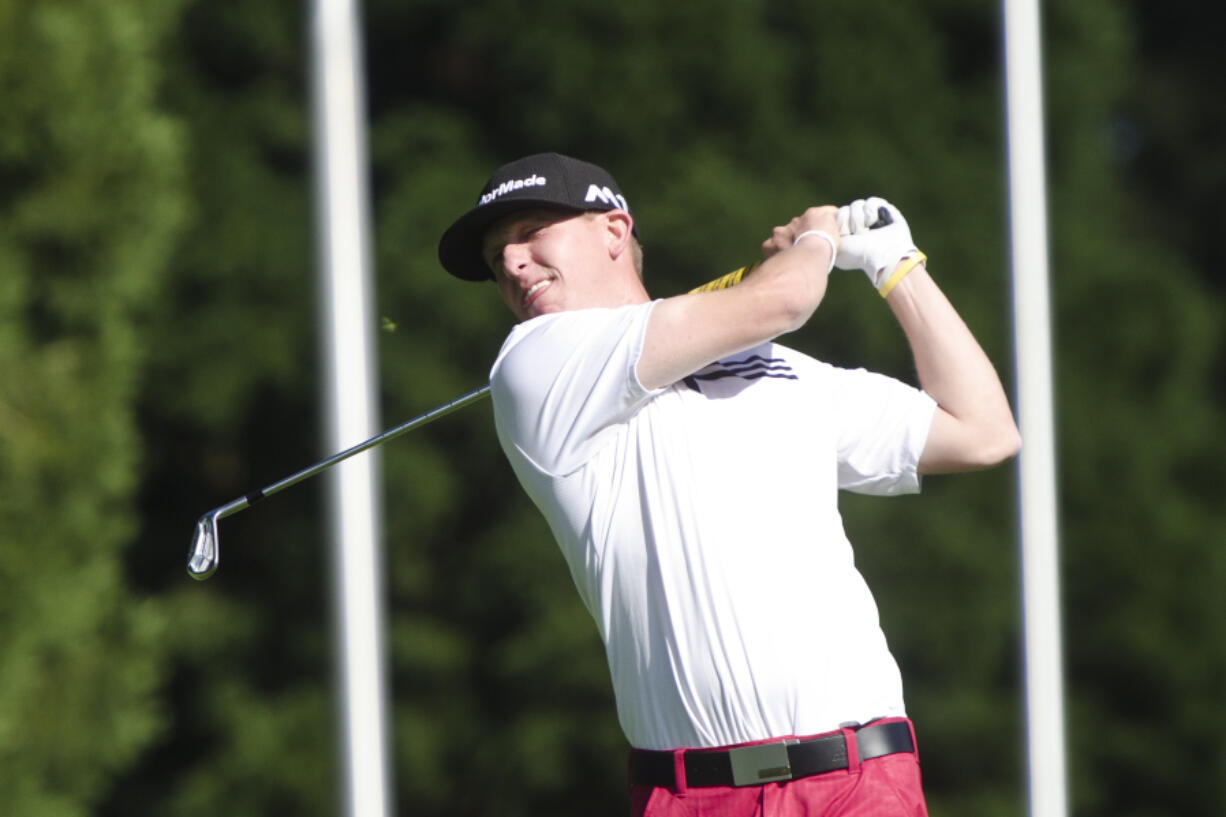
<point>886,786</point>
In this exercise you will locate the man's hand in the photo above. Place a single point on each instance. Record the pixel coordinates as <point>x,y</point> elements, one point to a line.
<point>810,225</point>
<point>866,245</point>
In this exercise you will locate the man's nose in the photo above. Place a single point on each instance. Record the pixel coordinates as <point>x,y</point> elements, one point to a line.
<point>515,258</point>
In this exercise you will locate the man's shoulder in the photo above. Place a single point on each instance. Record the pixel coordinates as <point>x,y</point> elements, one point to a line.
<point>561,380</point>
<point>538,332</point>
<point>562,330</point>
<point>524,329</point>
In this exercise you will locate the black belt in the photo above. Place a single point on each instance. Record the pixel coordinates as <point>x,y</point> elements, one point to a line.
<point>769,762</point>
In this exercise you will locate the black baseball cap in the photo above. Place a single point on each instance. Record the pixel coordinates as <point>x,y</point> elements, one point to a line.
<point>541,180</point>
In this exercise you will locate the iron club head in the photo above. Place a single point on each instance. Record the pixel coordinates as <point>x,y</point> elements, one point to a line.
<point>203,557</point>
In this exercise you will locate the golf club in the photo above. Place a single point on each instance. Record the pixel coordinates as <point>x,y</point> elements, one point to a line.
<point>204,555</point>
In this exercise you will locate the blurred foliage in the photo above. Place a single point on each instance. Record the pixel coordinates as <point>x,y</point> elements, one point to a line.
<point>158,340</point>
<point>91,203</point>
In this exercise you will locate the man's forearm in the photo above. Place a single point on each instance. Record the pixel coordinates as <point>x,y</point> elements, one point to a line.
<point>687,332</point>
<point>975,426</point>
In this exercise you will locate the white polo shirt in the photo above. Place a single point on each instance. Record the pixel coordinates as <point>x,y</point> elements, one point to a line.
<point>701,524</point>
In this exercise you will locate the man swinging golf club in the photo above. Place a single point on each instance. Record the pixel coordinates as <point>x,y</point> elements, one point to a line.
<point>689,468</point>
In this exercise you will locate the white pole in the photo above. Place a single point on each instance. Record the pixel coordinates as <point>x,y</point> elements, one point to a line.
<point>343,219</point>
<point>1037,471</point>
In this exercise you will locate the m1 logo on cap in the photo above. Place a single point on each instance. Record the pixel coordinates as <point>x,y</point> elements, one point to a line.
<point>605,195</point>
<point>515,184</point>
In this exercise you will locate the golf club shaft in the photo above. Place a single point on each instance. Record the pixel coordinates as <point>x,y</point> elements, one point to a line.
<point>391,434</point>
<point>204,555</point>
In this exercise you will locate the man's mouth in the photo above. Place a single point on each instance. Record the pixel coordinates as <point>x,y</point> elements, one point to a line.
<point>535,290</point>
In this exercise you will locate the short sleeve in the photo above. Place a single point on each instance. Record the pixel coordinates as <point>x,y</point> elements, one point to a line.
<point>882,429</point>
<point>562,381</point>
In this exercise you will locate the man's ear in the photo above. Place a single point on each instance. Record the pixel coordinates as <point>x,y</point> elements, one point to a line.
<point>619,226</point>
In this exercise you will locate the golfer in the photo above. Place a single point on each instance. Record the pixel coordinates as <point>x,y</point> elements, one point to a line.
<point>689,468</point>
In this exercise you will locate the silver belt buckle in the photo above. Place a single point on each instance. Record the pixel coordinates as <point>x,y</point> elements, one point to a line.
<point>764,763</point>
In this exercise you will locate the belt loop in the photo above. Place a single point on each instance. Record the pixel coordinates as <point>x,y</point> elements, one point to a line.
<point>853,750</point>
<point>914,742</point>
<point>679,782</point>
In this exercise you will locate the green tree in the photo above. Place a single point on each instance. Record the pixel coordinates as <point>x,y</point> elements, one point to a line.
<point>1141,452</point>
<point>90,202</point>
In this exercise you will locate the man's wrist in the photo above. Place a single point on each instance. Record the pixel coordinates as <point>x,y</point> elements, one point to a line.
<point>834,247</point>
<point>901,271</point>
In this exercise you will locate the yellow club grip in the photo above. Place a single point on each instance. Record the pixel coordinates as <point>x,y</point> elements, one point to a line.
<point>730,280</point>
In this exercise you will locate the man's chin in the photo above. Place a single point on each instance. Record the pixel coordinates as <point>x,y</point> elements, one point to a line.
<point>536,309</point>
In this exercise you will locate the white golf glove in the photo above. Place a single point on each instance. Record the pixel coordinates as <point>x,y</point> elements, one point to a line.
<point>865,244</point>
